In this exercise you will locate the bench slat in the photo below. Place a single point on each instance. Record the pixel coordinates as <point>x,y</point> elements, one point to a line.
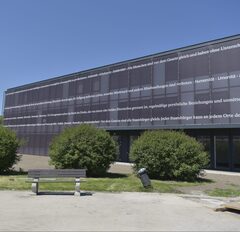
<point>54,181</point>
<point>45,173</point>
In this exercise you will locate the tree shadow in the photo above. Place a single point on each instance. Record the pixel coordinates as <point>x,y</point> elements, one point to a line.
<point>204,180</point>
<point>111,175</point>
<point>14,173</point>
<point>62,193</point>
<point>200,180</point>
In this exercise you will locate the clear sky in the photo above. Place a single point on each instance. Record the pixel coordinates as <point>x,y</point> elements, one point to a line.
<point>47,38</point>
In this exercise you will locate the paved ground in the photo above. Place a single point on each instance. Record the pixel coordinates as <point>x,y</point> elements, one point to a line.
<point>221,180</point>
<point>21,211</point>
<point>34,161</point>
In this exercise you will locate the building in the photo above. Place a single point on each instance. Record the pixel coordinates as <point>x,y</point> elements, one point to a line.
<point>195,88</point>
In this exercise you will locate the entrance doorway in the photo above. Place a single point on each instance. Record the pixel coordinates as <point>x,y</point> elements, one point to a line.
<point>222,154</point>
<point>236,153</point>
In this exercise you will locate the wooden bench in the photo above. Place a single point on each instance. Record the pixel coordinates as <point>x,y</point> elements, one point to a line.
<point>44,175</point>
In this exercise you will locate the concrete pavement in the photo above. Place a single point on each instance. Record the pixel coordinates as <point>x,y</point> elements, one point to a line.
<point>22,211</point>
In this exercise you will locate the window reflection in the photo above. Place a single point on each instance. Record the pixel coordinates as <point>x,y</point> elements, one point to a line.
<point>236,152</point>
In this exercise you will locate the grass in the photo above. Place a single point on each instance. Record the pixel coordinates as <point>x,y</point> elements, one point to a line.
<point>227,192</point>
<point>110,183</point>
<point>115,183</point>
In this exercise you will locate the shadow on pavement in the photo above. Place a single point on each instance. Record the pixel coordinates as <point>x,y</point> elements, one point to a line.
<point>48,193</point>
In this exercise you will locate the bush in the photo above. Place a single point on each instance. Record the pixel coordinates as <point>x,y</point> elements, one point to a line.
<point>84,146</point>
<point>8,149</point>
<point>169,155</point>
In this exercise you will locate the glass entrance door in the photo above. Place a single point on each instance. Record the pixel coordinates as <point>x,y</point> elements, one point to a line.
<point>222,152</point>
<point>236,153</point>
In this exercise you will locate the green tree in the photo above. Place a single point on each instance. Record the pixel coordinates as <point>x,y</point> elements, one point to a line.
<point>169,155</point>
<point>1,120</point>
<point>84,146</point>
<point>9,145</point>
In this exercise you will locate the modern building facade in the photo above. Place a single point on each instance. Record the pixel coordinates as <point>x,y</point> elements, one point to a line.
<point>195,89</point>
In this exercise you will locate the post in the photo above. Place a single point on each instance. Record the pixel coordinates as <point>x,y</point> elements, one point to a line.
<point>35,185</point>
<point>77,187</point>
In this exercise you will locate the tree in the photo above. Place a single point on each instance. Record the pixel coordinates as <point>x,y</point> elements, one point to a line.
<point>9,145</point>
<point>84,146</point>
<point>169,155</point>
<point>1,120</point>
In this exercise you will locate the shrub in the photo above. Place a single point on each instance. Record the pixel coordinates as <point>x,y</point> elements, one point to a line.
<point>1,120</point>
<point>8,149</point>
<point>84,146</point>
<point>169,155</point>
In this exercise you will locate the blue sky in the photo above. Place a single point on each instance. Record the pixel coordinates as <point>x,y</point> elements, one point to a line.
<point>49,38</point>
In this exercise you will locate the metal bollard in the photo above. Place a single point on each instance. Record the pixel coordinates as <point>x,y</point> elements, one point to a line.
<point>142,173</point>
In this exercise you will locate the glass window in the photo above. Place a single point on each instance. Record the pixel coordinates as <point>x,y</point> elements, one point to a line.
<point>72,89</point>
<point>204,108</point>
<point>195,66</point>
<point>171,67</point>
<point>158,72</point>
<point>219,107</point>
<point>221,152</point>
<point>86,86</point>
<point>119,77</point>
<point>95,84</point>
<point>141,73</point>
<point>123,114</point>
<point>226,60</point>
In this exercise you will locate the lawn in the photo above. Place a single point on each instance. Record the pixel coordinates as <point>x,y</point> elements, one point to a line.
<point>125,183</point>
<point>233,191</point>
<point>110,183</point>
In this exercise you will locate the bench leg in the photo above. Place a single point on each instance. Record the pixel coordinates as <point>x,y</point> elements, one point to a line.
<point>35,186</point>
<point>77,187</point>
